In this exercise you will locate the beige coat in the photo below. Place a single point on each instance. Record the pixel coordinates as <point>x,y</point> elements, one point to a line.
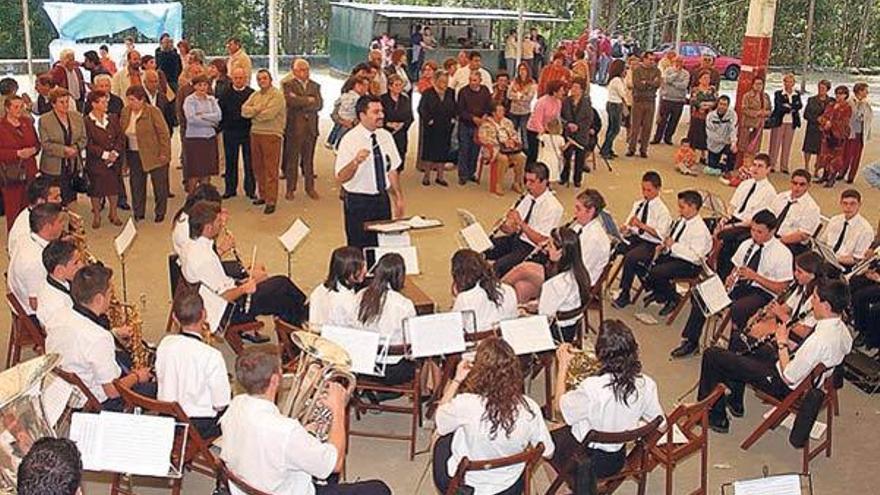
<point>153,137</point>
<point>52,141</point>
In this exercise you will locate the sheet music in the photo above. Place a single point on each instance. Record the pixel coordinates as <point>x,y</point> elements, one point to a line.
<point>389,227</point>
<point>362,346</point>
<point>84,433</point>
<point>435,335</point>
<point>786,484</point>
<point>125,238</point>
<point>475,237</point>
<point>418,222</point>
<point>215,307</point>
<point>294,235</point>
<point>527,335</point>
<point>714,294</point>
<point>55,397</point>
<point>395,239</point>
<point>135,444</point>
<point>409,253</point>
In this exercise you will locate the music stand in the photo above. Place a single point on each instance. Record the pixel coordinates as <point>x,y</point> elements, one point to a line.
<point>828,255</point>
<point>291,239</point>
<point>782,484</point>
<point>123,243</point>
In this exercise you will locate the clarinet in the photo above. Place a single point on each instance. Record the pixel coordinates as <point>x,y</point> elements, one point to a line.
<point>497,227</point>
<point>542,248</point>
<point>752,344</point>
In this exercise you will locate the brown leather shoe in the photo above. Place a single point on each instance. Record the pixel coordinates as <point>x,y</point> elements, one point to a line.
<point>313,194</point>
<point>289,195</point>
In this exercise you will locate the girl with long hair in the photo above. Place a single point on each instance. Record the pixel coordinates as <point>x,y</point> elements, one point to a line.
<point>180,222</point>
<point>569,288</point>
<point>615,400</point>
<point>476,288</point>
<point>483,414</point>
<point>346,273</point>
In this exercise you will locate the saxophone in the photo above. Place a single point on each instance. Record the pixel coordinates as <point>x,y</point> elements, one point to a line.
<point>583,364</point>
<point>122,314</point>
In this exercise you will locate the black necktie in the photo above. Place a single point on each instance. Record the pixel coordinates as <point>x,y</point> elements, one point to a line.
<point>530,210</point>
<point>801,300</point>
<point>644,214</point>
<point>378,165</point>
<point>841,236</point>
<point>755,258</point>
<point>745,203</point>
<point>784,213</point>
<point>681,226</point>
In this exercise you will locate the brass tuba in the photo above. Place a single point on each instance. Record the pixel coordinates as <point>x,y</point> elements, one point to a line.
<point>583,364</point>
<point>320,363</point>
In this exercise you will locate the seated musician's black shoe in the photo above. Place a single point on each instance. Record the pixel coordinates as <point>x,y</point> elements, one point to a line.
<point>720,424</point>
<point>386,396</point>
<point>736,410</point>
<point>649,299</point>
<point>670,306</point>
<point>255,338</point>
<point>685,349</point>
<point>123,205</point>
<point>622,300</point>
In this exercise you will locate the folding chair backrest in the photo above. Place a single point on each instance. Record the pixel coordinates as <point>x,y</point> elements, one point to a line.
<point>529,456</point>
<point>92,404</point>
<point>283,331</point>
<point>636,465</point>
<point>692,421</point>
<point>230,478</point>
<point>27,325</point>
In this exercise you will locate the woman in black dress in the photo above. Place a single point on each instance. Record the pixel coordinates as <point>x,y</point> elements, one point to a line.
<point>398,114</point>
<point>104,147</point>
<point>815,108</point>
<point>437,112</point>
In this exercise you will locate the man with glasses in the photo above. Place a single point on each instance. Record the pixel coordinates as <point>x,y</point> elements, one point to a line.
<point>797,213</point>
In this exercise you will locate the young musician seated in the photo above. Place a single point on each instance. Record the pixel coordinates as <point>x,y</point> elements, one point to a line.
<point>646,228</point>
<point>751,196</point>
<point>259,294</point>
<point>483,415</point>
<point>27,273</point>
<point>190,371</point>
<point>476,288</point>
<point>569,288</point>
<point>528,277</point>
<point>865,290</point>
<point>681,254</point>
<point>797,213</point>
<point>51,466</point>
<point>40,191</point>
<point>274,453</point>
<point>83,338</point>
<point>616,400</point>
<point>848,234</point>
<point>347,271</point>
<point>528,223</point>
<point>763,269</point>
<point>62,260</point>
<point>828,344</point>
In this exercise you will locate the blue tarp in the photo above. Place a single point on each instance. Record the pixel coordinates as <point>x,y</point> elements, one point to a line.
<point>76,21</point>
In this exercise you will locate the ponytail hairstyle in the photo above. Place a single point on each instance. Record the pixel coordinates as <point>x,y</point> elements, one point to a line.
<point>469,268</point>
<point>202,192</point>
<point>570,244</point>
<point>388,274</point>
<point>346,265</point>
<point>618,352</point>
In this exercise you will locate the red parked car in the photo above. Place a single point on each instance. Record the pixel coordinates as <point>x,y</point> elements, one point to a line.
<point>692,52</point>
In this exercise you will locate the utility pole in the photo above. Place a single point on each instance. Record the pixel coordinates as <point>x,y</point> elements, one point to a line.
<point>26,20</point>
<point>678,25</point>
<point>595,6</point>
<point>653,26</point>
<point>808,63</point>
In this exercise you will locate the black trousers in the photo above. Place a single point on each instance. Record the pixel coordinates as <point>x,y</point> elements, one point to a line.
<point>746,301</point>
<point>276,296</point>
<point>360,208</point>
<point>370,487</point>
<point>735,371</point>
<point>148,389</point>
<point>593,464</point>
<point>232,142</point>
<point>667,120</point>
<point>580,157</point>
<point>659,280</point>
<point>728,156</point>
<point>442,453</point>
<point>207,427</point>
<point>865,302</point>
<point>730,240</point>
<point>637,256</point>
<point>507,252</point>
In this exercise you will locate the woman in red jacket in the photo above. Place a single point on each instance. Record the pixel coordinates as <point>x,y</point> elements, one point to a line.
<point>18,145</point>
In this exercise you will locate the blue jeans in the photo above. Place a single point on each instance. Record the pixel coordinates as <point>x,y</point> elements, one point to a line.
<point>519,123</point>
<point>615,112</point>
<point>467,151</point>
<point>511,66</point>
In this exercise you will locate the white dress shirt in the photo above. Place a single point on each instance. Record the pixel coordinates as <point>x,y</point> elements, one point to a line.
<point>180,235</point>
<point>271,452</point>
<point>462,78</point>
<point>26,271</point>
<point>201,265</point>
<point>364,179</point>
<point>800,303</point>
<point>545,216</point>
<point>775,264</point>
<point>52,301</point>
<point>759,200</point>
<point>595,247</point>
<point>857,239</point>
<point>326,305</point>
<point>465,415</point>
<point>389,324</point>
<point>193,374</point>
<point>86,349</point>
<point>803,216</point>
<point>694,239</point>
<point>560,293</point>
<point>592,406</point>
<point>21,228</point>
<point>828,344</point>
<point>488,314</point>
<point>658,219</point>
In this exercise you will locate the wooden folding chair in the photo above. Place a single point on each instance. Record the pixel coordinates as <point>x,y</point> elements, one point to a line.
<point>412,390</point>
<point>92,405</point>
<point>690,282</point>
<point>23,332</point>
<point>597,301</point>
<point>449,364</point>
<point>529,456</point>
<point>283,331</point>
<point>197,455</point>
<point>227,478</point>
<point>637,465</point>
<point>693,422</point>
<point>790,405</point>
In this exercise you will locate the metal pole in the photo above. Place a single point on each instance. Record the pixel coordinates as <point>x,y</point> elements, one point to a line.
<point>273,37</point>
<point>652,28</point>
<point>807,48</point>
<point>595,5</point>
<point>520,29</point>
<point>678,25</point>
<point>26,20</point>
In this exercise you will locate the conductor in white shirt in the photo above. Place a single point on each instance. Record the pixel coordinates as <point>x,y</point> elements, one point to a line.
<point>274,453</point>
<point>366,166</point>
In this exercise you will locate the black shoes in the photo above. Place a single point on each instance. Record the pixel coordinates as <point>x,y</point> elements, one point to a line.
<point>462,181</point>
<point>159,218</point>
<point>630,153</point>
<point>228,195</point>
<point>259,202</point>
<point>669,307</point>
<point>736,410</point>
<point>255,338</point>
<point>270,209</point>
<point>123,205</point>
<point>719,425</point>
<point>685,349</point>
<point>643,155</point>
<point>441,182</point>
<point>622,300</point>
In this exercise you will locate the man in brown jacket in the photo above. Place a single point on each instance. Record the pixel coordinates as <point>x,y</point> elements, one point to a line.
<point>304,101</point>
<point>646,80</point>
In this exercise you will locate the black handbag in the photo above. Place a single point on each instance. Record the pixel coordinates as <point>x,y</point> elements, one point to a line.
<point>13,173</point>
<point>79,180</point>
